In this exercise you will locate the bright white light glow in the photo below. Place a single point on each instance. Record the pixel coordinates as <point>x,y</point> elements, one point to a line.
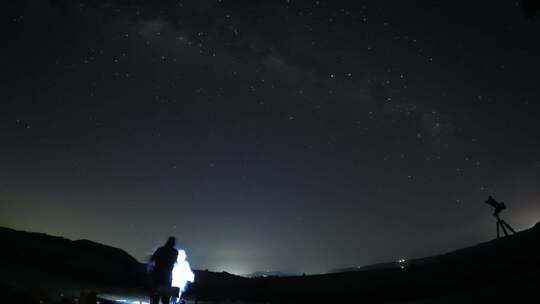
<point>182,273</point>
<point>122,299</point>
<point>131,302</point>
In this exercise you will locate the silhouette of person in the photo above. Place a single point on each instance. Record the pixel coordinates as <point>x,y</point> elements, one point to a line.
<point>163,261</point>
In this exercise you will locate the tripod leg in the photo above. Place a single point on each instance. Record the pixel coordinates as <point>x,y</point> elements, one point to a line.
<point>509,227</point>
<point>498,230</point>
<point>504,228</point>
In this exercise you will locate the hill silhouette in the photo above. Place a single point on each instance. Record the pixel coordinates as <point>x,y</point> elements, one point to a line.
<point>506,269</point>
<point>44,266</point>
<point>500,270</point>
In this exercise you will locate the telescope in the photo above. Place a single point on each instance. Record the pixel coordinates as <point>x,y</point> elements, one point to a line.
<point>499,207</point>
<point>501,224</point>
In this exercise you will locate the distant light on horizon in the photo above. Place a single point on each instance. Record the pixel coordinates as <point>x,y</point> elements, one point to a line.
<point>401,263</point>
<point>235,270</point>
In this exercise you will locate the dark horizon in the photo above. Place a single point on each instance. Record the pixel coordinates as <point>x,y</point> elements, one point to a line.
<point>295,136</point>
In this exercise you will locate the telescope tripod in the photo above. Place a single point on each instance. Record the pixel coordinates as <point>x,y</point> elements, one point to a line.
<point>502,225</point>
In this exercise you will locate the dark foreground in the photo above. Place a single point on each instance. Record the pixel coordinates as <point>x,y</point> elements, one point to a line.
<point>36,267</point>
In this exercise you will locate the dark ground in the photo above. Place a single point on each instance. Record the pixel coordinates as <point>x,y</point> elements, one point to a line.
<point>38,267</point>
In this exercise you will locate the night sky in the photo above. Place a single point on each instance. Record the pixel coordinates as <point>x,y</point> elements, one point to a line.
<point>297,136</point>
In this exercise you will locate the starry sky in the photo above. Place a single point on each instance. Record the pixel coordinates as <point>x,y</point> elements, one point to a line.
<point>287,135</point>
